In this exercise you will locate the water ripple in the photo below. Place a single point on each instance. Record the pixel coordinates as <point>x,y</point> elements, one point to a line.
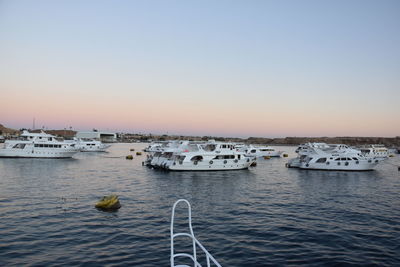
<point>265,216</point>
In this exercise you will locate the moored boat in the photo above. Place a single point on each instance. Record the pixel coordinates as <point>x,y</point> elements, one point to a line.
<point>37,145</point>
<point>334,157</point>
<point>262,151</point>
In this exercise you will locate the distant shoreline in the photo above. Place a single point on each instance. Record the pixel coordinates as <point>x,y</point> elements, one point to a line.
<point>285,141</point>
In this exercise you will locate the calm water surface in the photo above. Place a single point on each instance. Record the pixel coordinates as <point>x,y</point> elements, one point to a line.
<point>268,215</point>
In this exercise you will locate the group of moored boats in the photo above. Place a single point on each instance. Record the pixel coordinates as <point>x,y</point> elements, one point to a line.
<point>322,156</point>
<point>43,145</point>
<point>205,156</point>
<point>198,156</point>
<point>212,155</point>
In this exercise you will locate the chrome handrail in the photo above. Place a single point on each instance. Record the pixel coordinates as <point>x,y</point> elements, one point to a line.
<point>193,257</point>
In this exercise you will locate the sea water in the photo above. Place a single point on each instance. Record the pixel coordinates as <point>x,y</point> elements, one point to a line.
<point>268,215</point>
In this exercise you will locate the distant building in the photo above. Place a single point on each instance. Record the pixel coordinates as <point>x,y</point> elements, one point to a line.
<point>102,136</point>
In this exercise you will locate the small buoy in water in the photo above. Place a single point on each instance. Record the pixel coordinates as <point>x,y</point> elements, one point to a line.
<point>267,157</point>
<point>285,155</point>
<point>391,155</point>
<point>132,149</point>
<point>129,157</point>
<point>109,203</point>
<point>138,153</point>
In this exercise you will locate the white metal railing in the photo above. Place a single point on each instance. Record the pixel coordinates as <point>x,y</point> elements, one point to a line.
<point>195,242</point>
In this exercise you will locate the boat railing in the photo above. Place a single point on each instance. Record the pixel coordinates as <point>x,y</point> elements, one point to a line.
<point>195,242</point>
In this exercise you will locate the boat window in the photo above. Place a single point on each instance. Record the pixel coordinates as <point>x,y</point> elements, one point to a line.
<point>46,145</point>
<point>50,145</point>
<point>355,158</point>
<point>36,145</point>
<point>337,159</point>
<point>253,151</point>
<point>238,156</point>
<point>196,158</point>
<point>20,146</point>
<point>229,156</point>
<point>210,147</point>
<point>321,160</point>
<point>343,159</point>
<point>348,158</point>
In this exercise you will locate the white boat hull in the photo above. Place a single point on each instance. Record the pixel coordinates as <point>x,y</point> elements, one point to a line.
<point>29,153</point>
<point>362,165</point>
<point>293,163</point>
<point>214,165</point>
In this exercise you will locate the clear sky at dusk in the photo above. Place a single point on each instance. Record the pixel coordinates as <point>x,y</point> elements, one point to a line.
<point>231,68</point>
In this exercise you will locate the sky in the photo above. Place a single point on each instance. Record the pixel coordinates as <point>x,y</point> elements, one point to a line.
<point>219,68</point>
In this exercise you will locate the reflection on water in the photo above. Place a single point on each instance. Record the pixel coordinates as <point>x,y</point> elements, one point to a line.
<point>268,215</point>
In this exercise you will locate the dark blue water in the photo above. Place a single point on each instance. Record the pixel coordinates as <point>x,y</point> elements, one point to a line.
<point>268,215</point>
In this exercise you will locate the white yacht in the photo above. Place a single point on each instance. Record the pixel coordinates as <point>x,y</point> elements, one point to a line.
<point>303,150</point>
<point>262,151</point>
<point>156,146</point>
<point>335,157</point>
<point>37,145</point>
<point>344,159</point>
<point>378,151</point>
<point>211,156</point>
<point>89,145</point>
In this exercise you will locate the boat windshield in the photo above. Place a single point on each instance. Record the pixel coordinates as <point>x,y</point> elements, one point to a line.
<point>209,147</point>
<point>20,146</point>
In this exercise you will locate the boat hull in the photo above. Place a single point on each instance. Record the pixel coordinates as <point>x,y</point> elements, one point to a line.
<point>350,166</point>
<point>5,153</point>
<point>207,166</point>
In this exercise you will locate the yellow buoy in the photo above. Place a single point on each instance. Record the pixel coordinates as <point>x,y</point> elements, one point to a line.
<point>138,153</point>
<point>110,202</point>
<point>129,157</point>
<point>285,155</point>
<point>132,149</point>
<point>267,157</point>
